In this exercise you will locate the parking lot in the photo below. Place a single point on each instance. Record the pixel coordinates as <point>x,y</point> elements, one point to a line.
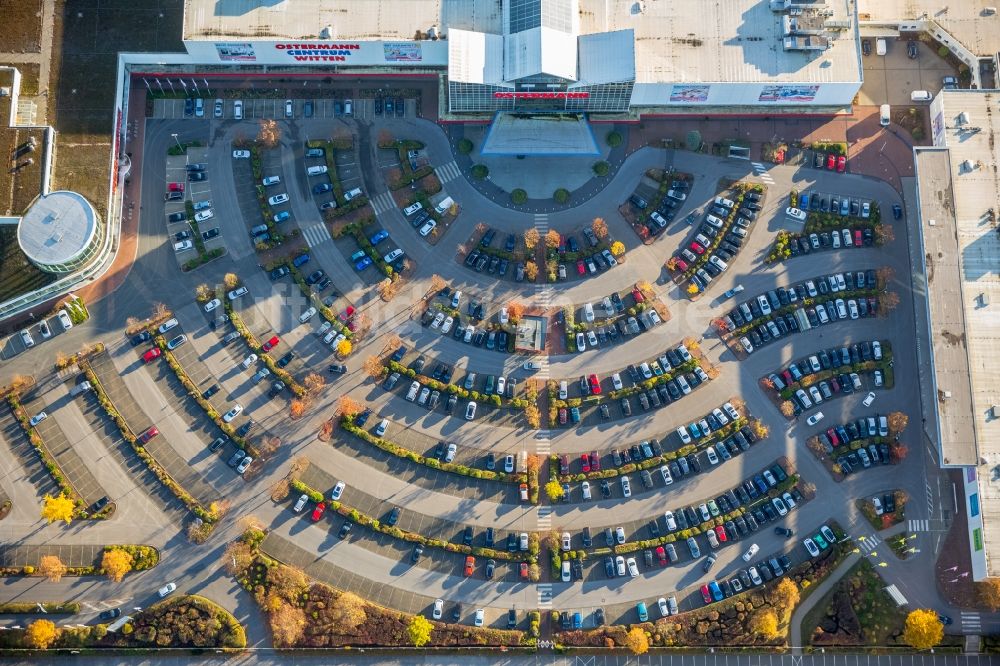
<point>890,79</point>
<point>363,109</point>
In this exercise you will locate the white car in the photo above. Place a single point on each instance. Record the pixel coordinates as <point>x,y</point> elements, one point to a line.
<point>755,577</point>
<point>428,228</point>
<point>588,313</point>
<point>212,304</point>
<point>236,293</point>
<point>563,391</point>
<point>233,413</point>
<point>620,535</point>
<point>449,455</point>
<point>38,418</point>
<point>289,111</point>
<point>811,547</point>
<point>713,457</point>
<point>665,473</point>
<point>480,617</point>
<point>307,315</point>
<point>183,246</point>
<point>508,464</point>
<point>566,542</point>
<point>381,427</point>
<point>626,487</point>
<point>504,315</point>
<point>501,385</point>
<point>43,328</point>
<point>633,568</point>
<point>733,414</point>
<point>438,320</point>
<point>869,399</point>
<point>668,518</point>
<point>238,109</point>
<point>875,501</point>
<point>789,500</point>
<point>581,342</point>
<point>616,381</point>
<point>241,154</point>
<point>338,491</point>
<point>470,410</point>
<point>620,565</point>
<point>796,214</point>
<point>277,199</point>
<point>201,216</point>
<point>166,589</point>
<point>438,611</point>
<point>249,360</point>
<point>662,604</point>
<point>585,487</point>
<point>448,323</point>
<point>27,339</point>
<point>270,180</point>
<point>67,324</point>
<point>780,506</point>
<point>751,551</point>
<point>301,503</point>
<point>815,418</point>
<point>167,325</point>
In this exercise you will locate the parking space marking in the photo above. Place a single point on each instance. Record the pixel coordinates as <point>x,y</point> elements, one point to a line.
<point>316,235</point>
<point>383,202</point>
<point>448,171</point>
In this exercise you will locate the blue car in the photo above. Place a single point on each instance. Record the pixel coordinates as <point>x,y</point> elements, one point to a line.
<point>321,188</point>
<point>301,260</point>
<point>379,237</point>
<point>577,620</point>
<point>282,216</point>
<point>362,264</point>
<point>715,590</point>
<point>803,202</point>
<point>695,431</point>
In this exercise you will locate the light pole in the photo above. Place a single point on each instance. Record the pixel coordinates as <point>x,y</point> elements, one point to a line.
<point>179,146</point>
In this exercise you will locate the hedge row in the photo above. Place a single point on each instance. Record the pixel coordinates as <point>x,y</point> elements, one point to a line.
<point>348,425</point>
<point>189,501</point>
<point>805,303</point>
<point>313,298</point>
<point>373,523</point>
<point>357,231</point>
<point>53,608</point>
<point>435,385</point>
<point>740,190</point>
<point>143,558</point>
<point>266,212</point>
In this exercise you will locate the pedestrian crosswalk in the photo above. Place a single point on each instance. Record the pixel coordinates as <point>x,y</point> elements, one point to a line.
<point>316,234</point>
<point>761,171</point>
<point>544,518</point>
<point>545,595</point>
<point>868,543</point>
<point>971,621</point>
<point>448,171</point>
<point>542,223</point>
<point>544,295</point>
<point>919,525</point>
<point>383,202</point>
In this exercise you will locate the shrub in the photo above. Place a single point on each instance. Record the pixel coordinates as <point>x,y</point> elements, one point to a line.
<point>518,196</point>
<point>464,146</point>
<point>480,171</point>
<point>614,139</point>
<point>601,168</point>
<point>561,195</point>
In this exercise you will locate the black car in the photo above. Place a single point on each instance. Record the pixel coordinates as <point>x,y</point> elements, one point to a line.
<point>362,418</point>
<point>345,529</point>
<point>210,391</point>
<point>337,368</point>
<point>110,614</point>
<point>139,338</point>
<point>393,516</point>
<point>605,488</point>
<point>197,175</point>
<point>286,359</point>
<point>491,567</point>
<point>210,234</point>
<point>244,429</point>
<point>783,531</point>
<point>315,277</point>
<point>487,239</point>
<point>100,504</point>
<point>511,542</point>
<point>279,272</point>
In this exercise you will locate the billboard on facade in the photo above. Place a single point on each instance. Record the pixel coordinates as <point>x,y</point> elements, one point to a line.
<point>236,52</point>
<point>788,94</point>
<point>687,94</point>
<point>402,52</point>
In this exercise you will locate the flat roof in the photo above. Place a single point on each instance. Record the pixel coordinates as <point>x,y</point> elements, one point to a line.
<point>965,20</point>
<point>938,227</point>
<point>681,41</point>
<point>57,228</point>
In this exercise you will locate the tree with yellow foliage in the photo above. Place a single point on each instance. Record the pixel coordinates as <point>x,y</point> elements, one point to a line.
<point>314,383</point>
<point>923,629</point>
<point>692,289</point>
<point>52,568</point>
<point>636,641</point>
<point>287,624</point>
<point>231,280</point>
<point>348,406</point>
<point>116,563</point>
<point>420,630</point>
<point>56,508</point>
<point>531,238</point>
<point>786,594</point>
<point>531,271</point>
<point>41,634</point>
<point>618,248</point>
<point>344,347</point>
<point>765,623</point>
<point>373,367</point>
<point>552,239</point>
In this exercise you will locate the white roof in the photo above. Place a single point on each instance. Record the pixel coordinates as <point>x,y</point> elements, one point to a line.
<point>475,57</point>
<point>606,57</point>
<point>539,51</point>
<point>57,228</point>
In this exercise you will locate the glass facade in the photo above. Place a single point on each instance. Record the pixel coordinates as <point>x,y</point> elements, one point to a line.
<point>80,260</point>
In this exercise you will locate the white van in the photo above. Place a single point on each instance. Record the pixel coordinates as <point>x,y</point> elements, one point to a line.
<point>316,170</point>
<point>393,256</point>
<point>880,46</point>
<point>883,115</point>
<point>348,107</point>
<point>921,96</point>
<point>442,207</point>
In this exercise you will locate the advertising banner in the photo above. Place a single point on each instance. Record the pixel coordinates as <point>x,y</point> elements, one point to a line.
<point>687,94</point>
<point>788,94</point>
<point>402,51</point>
<point>236,52</point>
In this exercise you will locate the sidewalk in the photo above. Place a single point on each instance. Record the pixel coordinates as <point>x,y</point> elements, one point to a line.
<point>817,594</point>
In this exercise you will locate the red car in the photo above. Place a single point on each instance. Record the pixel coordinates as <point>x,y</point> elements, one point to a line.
<point>661,555</point>
<point>595,462</point>
<point>562,416</point>
<point>347,314</point>
<point>150,433</point>
<point>787,375</point>
<point>720,532</point>
<point>705,594</point>
<point>580,268</point>
<point>697,248</point>
<point>832,434</point>
<point>637,295</point>
<point>524,570</point>
<point>595,384</point>
<point>470,565</point>
<point>585,462</point>
<point>151,355</point>
<point>857,238</point>
<point>318,512</point>
<point>175,187</point>
<point>841,164</point>
<point>680,264</point>
<point>831,161</point>
<point>270,344</point>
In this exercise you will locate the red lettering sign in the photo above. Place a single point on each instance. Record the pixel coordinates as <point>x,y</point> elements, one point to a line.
<point>315,47</point>
<point>541,95</point>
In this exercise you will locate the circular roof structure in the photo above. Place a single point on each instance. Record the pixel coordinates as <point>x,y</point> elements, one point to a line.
<point>57,229</point>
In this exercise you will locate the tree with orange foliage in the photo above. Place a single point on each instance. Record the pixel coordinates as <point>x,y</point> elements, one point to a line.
<point>599,227</point>
<point>531,271</point>
<point>515,310</point>
<point>348,406</point>
<point>531,238</point>
<point>269,133</point>
<point>552,239</point>
<point>297,408</point>
<point>373,367</point>
<point>314,382</point>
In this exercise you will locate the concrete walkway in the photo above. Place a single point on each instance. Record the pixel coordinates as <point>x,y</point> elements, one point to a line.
<point>795,635</point>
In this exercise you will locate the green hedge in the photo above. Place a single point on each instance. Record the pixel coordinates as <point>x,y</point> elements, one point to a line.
<point>255,345</point>
<point>53,608</point>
